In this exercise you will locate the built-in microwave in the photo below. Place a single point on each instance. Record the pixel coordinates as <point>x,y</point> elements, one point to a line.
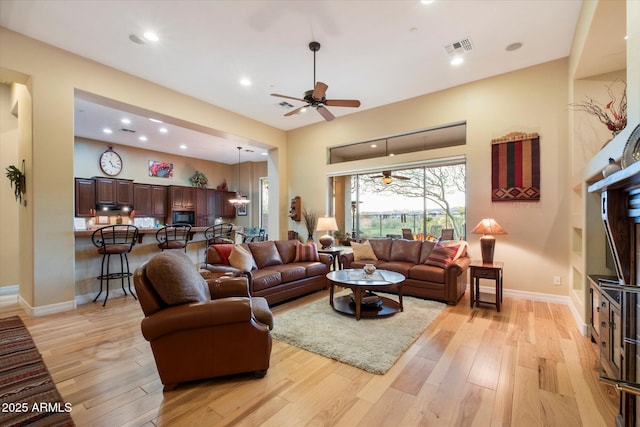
<point>184,217</point>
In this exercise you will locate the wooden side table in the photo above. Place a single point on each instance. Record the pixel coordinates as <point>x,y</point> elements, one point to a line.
<point>485,271</point>
<point>335,252</point>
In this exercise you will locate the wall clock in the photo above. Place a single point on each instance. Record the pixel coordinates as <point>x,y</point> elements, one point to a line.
<point>110,162</point>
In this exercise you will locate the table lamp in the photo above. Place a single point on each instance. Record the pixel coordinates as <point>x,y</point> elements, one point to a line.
<point>488,227</point>
<point>327,224</point>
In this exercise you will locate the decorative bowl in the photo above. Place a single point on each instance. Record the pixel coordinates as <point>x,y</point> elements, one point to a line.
<point>369,269</point>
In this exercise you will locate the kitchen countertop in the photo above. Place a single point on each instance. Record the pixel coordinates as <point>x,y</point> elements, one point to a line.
<point>141,232</point>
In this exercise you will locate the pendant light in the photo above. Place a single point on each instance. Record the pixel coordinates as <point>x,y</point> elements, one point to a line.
<point>239,200</point>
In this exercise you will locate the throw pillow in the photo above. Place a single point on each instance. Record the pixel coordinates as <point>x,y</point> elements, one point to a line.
<point>460,244</point>
<point>176,279</point>
<point>441,256</point>
<point>241,258</point>
<point>306,252</point>
<point>224,251</point>
<point>362,251</point>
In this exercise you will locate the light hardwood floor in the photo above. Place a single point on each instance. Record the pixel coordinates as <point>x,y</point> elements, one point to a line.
<point>525,366</point>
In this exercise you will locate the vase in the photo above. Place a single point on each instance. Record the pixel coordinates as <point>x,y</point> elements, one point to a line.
<point>612,167</point>
<point>369,269</point>
<point>310,238</point>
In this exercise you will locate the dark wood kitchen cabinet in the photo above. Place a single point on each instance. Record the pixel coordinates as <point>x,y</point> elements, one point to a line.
<point>182,198</point>
<point>111,191</point>
<point>150,200</point>
<point>85,196</point>
<point>224,208</point>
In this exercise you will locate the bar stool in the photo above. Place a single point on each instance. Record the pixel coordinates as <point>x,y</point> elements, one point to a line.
<point>114,240</point>
<point>175,236</point>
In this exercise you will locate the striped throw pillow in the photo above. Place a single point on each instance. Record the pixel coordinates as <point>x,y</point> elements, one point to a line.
<point>441,256</point>
<point>306,252</point>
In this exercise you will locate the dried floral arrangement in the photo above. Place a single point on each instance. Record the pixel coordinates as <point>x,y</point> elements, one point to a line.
<point>613,116</point>
<point>199,180</point>
<point>18,181</point>
<point>310,221</point>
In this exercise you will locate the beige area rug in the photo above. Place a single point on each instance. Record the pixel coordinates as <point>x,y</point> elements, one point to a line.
<point>373,345</point>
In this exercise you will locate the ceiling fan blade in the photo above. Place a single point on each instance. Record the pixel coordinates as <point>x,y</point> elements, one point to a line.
<point>376,176</point>
<point>296,111</point>
<point>319,91</point>
<point>404,178</point>
<point>342,103</point>
<point>325,113</point>
<point>288,97</point>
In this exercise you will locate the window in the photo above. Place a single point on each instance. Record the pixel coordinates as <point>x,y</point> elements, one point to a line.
<point>263,219</point>
<point>424,200</point>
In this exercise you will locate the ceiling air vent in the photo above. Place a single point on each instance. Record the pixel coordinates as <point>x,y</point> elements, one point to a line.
<point>128,130</point>
<point>459,47</point>
<point>284,104</point>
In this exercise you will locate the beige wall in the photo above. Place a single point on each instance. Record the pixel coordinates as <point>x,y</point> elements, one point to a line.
<point>535,249</point>
<point>9,240</point>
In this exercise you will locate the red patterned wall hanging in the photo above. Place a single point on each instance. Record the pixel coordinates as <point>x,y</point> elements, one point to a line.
<point>515,168</point>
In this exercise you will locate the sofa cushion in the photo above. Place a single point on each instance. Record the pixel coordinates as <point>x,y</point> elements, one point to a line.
<point>265,253</point>
<point>224,250</point>
<point>289,272</point>
<point>441,256</point>
<point>362,251</point>
<point>306,252</point>
<point>176,279</point>
<point>241,259</point>
<point>405,250</point>
<point>427,247</point>
<point>427,273</point>
<point>314,268</point>
<point>382,248</point>
<point>287,250</point>
<point>264,279</point>
<point>401,267</point>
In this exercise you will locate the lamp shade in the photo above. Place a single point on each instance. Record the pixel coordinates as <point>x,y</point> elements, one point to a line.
<point>488,227</point>
<point>326,223</point>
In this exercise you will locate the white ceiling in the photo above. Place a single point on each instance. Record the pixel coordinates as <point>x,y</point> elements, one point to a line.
<point>376,51</point>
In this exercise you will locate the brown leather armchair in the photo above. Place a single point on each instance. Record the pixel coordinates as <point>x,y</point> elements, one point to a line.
<point>226,334</point>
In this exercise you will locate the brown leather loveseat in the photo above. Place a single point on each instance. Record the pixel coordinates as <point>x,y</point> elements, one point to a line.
<point>421,264</point>
<point>275,269</point>
<point>200,329</point>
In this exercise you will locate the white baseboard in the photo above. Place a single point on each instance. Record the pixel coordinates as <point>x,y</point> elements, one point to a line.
<point>46,309</point>
<point>9,290</point>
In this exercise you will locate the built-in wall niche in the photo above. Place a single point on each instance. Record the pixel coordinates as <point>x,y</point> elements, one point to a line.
<point>578,280</point>
<point>576,241</point>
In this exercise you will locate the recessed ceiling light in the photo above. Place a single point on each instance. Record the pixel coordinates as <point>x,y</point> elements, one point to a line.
<point>183,147</point>
<point>107,130</point>
<point>245,82</point>
<point>457,60</point>
<point>303,110</point>
<point>155,120</point>
<point>626,37</point>
<point>142,138</point>
<point>126,121</point>
<point>391,154</point>
<point>265,153</point>
<point>513,46</point>
<point>373,145</point>
<point>163,130</point>
<point>426,1</point>
<point>151,36</point>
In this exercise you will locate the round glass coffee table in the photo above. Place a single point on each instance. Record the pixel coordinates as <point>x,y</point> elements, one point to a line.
<point>362,303</point>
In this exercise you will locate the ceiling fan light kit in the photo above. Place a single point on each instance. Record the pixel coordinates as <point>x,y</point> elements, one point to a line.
<point>316,97</point>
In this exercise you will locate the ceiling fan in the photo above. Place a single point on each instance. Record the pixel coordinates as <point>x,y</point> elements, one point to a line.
<point>387,178</point>
<point>316,97</point>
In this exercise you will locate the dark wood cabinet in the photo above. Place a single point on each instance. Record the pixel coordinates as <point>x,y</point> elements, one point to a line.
<point>85,195</point>
<point>182,198</point>
<point>226,209</point>
<point>619,301</point>
<point>159,200</point>
<point>111,191</point>
<point>201,207</point>
<point>142,200</point>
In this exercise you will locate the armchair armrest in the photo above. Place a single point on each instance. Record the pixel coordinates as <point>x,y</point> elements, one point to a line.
<point>346,259</point>
<point>223,287</point>
<point>196,315</point>
<point>326,259</point>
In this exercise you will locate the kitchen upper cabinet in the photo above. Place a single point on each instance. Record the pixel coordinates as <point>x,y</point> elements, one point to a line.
<point>159,200</point>
<point>224,208</point>
<point>142,199</point>
<point>111,191</point>
<point>182,198</point>
<point>202,219</point>
<point>85,197</point>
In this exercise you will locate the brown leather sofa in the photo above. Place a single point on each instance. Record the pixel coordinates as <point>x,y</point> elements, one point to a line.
<point>276,276</point>
<point>408,257</point>
<point>222,331</point>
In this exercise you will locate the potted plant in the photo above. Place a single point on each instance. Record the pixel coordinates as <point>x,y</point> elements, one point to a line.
<point>310,222</point>
<point>18,181</point>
